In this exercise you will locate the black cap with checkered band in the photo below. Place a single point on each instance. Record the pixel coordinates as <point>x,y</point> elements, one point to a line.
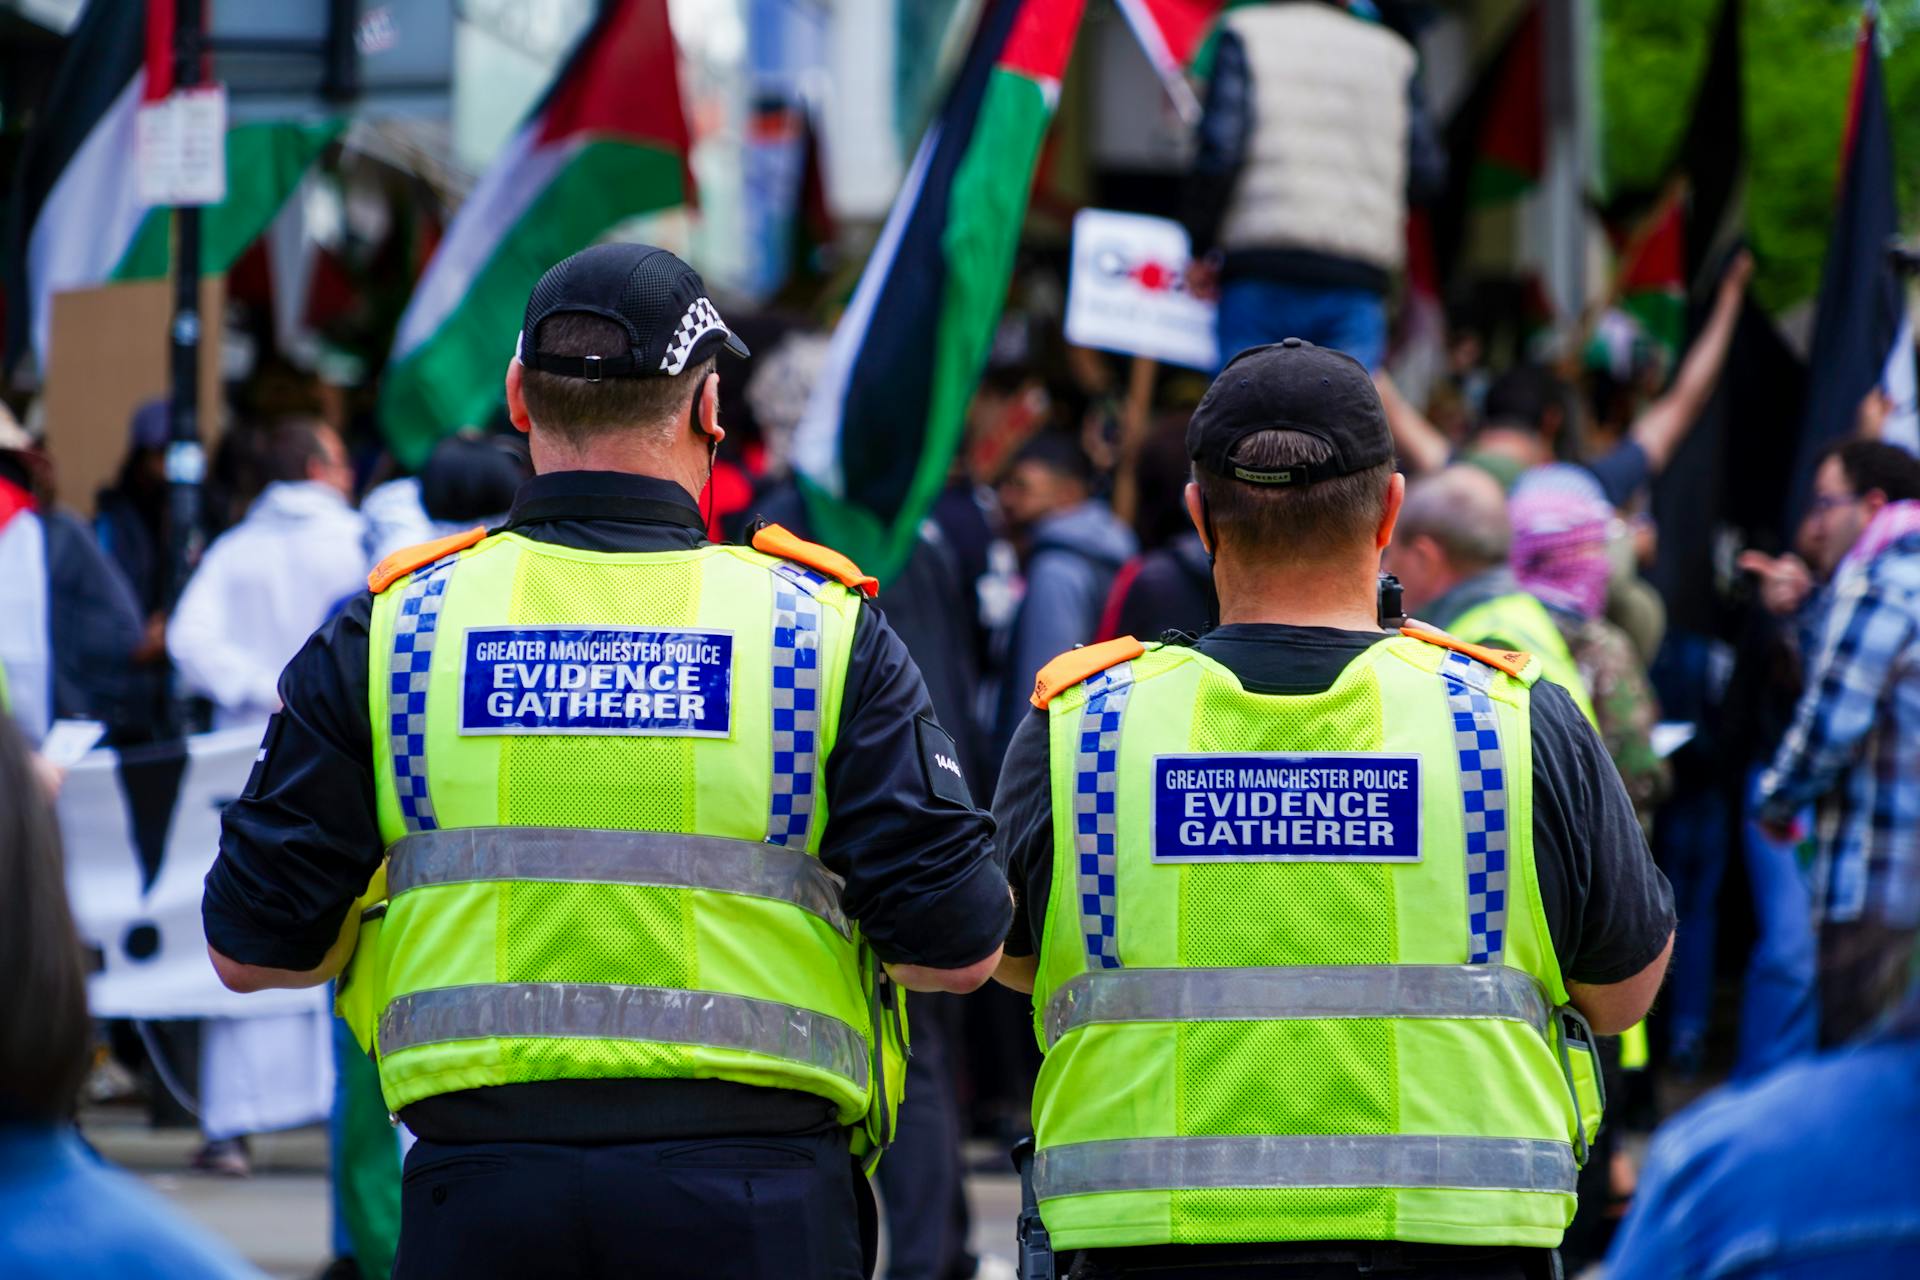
<point>671,324</point>
<point>1291,385</point>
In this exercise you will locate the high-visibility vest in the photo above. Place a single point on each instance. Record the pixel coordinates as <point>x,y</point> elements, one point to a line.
<point>600,785</point>
<point>1519,620</point>
<point>1351,1029</point>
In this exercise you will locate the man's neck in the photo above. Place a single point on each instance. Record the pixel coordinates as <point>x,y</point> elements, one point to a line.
<point>1345,597</point>
<point>1472,586</point>
<point>621,452</point>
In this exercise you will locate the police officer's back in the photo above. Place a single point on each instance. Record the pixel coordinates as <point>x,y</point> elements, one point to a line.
<point>663,825</point>
<point>1311,911</point>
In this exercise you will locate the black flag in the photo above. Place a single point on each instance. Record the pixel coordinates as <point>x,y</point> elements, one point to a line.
<point>1860,301</point>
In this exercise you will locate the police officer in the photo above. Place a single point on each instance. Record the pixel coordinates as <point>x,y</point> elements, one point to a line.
<point>631,839</point>
<point>1451,558</point>
<point>1315,917</point>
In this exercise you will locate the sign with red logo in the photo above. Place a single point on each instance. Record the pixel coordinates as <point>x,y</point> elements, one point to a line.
<point>1128,291</point>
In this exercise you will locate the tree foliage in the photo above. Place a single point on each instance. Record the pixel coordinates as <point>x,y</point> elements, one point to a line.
<point>1798,59</point>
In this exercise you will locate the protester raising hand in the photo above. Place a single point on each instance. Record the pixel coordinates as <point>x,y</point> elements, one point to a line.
<point>1665,423</point>
<point>1785,580</point>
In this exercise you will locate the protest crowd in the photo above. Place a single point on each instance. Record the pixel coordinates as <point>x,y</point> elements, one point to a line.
<point>1680,550</point>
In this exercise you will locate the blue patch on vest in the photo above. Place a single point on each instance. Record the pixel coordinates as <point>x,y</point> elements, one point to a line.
<point>605,680</point>
<point>1274,807</point>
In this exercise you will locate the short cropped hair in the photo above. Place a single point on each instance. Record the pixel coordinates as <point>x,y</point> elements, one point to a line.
<point>576,410</point>
<point>1875,464</point>
<point>1462,508</point>
<point>1308,523</point>
<point>1058,453</point>
<point>293,446</point>
<point>1522,397</point>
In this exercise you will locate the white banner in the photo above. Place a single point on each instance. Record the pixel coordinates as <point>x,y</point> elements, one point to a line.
<point>1127,290</point>
<point>141,830</point>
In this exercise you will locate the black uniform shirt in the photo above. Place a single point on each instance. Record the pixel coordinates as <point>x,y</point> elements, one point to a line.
<point>1609,909</point>
<point>302,842</point>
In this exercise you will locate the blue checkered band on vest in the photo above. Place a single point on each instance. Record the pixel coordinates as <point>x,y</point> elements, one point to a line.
<point>414,627</point>
<point>1483,799</point>
<point>1096,768</point>
<point>796,702</point>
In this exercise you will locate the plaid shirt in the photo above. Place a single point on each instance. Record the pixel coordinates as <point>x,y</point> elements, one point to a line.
<point>1854,748</point>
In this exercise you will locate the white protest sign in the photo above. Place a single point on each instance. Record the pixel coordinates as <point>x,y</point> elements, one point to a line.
<point>140,834</point>
<point>1127,290</point>
<point>182,147</point>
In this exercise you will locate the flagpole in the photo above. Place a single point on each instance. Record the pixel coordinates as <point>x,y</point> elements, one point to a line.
<point>186,459</point>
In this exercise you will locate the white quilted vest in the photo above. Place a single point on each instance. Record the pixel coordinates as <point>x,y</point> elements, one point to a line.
<point>1326,165</point>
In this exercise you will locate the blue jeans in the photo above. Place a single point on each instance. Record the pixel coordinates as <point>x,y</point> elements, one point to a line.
<point>1779,1007</point>
<point>1254,312</point>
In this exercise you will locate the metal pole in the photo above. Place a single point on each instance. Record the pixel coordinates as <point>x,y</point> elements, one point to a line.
<point>186,458</point>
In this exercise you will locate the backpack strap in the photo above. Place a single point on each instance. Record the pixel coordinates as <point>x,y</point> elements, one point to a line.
<point>407,559</point>
<point>1519,665</point>
<point>1075,665</point>
<point>774,540</point>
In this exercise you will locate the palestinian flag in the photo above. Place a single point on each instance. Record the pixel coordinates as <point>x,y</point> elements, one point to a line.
<point>874,447</point>
<point>77,220</point>
<point>1860,305</point>
<point>1681,244</point>
<point>1496,149</point>
<point>608,142</point>
<point>1512,142</point>
<point>1171,32</point>
<point>1652,284</point>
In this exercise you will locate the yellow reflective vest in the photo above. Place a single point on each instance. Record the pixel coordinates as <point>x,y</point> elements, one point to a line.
<point>600,784</point>
<point>1295,980</point>
<point>1518,620</point>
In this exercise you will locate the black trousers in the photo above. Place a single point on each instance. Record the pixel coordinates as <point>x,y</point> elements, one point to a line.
<point>1386,1260</point>
<point>716,1207</point>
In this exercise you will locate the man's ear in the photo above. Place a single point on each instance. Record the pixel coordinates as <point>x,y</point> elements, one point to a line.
<point>1872,500</point>
<point>516,397</point>
<point>1196,512</point>
<point>1396,497</point>
<point>706,409</point>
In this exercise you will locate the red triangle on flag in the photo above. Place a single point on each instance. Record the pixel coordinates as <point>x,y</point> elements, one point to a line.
<point>622,80</point>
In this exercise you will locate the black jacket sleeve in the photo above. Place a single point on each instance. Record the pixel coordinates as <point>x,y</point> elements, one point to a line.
<point>1023,812</point>
<point>302,841</point>
<point>902,828</point>
<point>1609,909</point>
<point>1226,120</point>
<point>1426,150</point>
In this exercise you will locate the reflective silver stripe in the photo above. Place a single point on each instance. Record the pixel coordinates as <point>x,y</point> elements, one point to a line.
<point>1303,991</point>
<point>1359,1160</point>
<point>603,1011</point>
<point>589,856</point>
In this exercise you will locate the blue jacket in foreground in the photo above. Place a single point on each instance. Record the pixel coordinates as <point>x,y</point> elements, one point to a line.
<point>63,1214</point>
<point>1812,1171</point>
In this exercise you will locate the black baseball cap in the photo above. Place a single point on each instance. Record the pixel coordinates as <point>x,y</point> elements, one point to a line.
<point>659,300</point>
<point>1291,385</point>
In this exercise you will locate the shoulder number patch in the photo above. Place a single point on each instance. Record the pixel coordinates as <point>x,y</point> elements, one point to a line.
<point>1273,807</point>
<point>940,762</point>
<point>601,680</point>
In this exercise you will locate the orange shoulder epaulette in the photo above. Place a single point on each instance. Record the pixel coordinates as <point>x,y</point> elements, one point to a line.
<point>776,541</point>
<point>1512,661</point>
<point>1075,665</point>
<point>407,559</point>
